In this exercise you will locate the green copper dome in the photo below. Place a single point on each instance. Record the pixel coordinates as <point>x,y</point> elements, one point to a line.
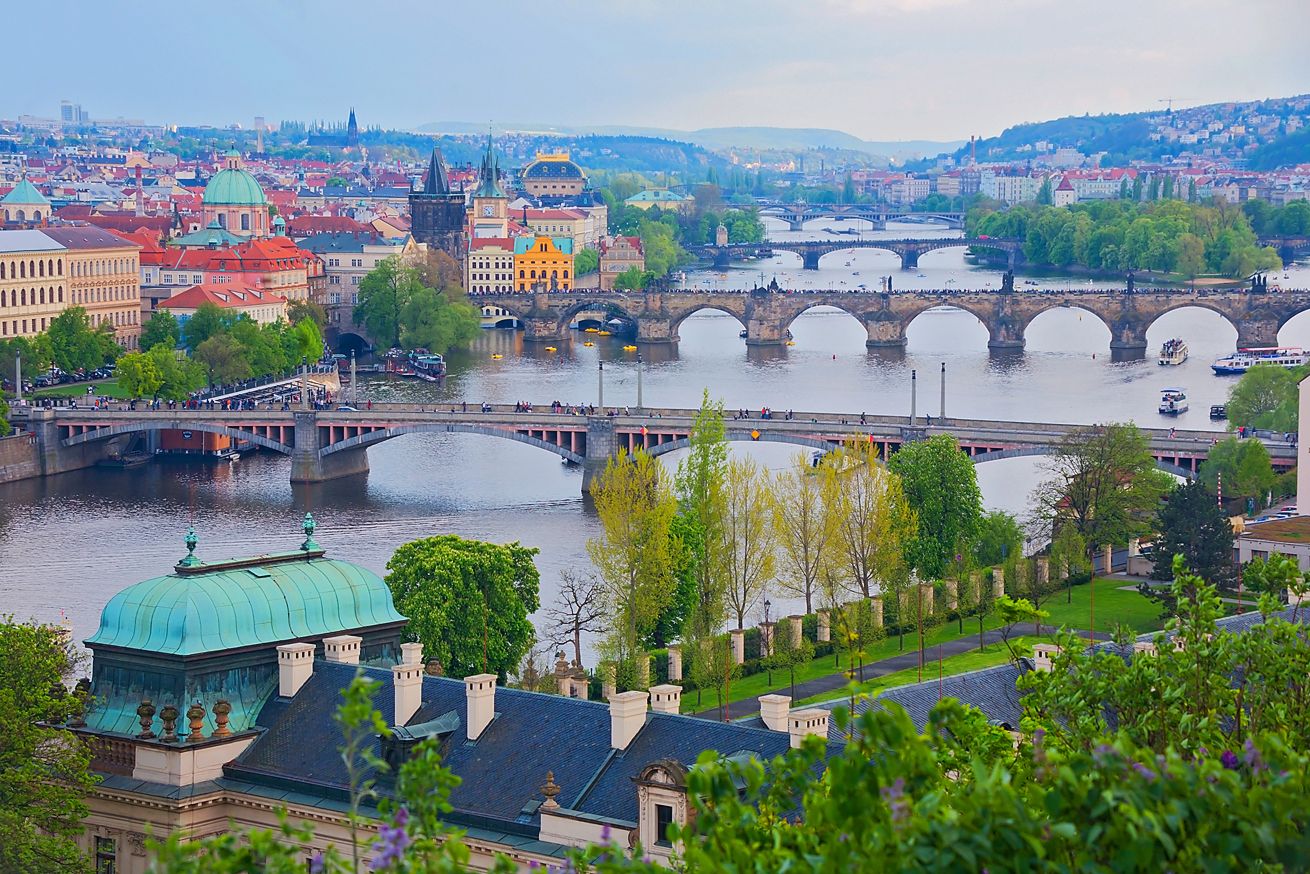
<point>234,187</point>
<point>208,607</point>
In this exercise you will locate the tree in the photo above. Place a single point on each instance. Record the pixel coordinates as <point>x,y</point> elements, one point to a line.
<point>304,342</point>
<point>1104,481</point>
<point>44,769</point>
<point>224,359</point>
<point>1193,525</point>
<point>179,375</point>
<point>431,320</point>
<point>941,486</point>
<point>699,485</point>
<point>75,345</point>
<point>632,279</point>
<point>383,294</point>
<point>748,541</point>
<point>36,352</point>
<point>1245,468</point>
<point>139,375</point>
<point>1191,256</point>
<point>803,524</point>
<point>5,427</point>
<point>998,535</point>
<point>579,609</point>
<point>635,507</point>
<point>587,261</point>
<point>298,310</point>
<point>161,327</point>
<point>1265,397</point>
<point>1069,556</point>
<point>467,601</point>
<point>204,323</point>
<point>874,521</point>
<point>684,548</point>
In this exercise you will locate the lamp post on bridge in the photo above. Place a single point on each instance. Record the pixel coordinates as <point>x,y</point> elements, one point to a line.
<point>18,376</point>
<point>640,407</point>
<point>600,386</point>
<point>304,383</point>
<point>914,395</point>
<point>354,381</point>
<point>942,413</point>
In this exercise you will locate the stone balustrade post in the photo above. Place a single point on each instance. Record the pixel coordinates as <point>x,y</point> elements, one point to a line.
<point>675,663</point>
<point>1107,559</point>
<point>952,595</point>
<point>797,629</point>
<point>875,609</point>
<point>1043,572</point>
<point>738,637</point>
<point>998,581</point>
<point>825,626</point>
<point>766,638</point>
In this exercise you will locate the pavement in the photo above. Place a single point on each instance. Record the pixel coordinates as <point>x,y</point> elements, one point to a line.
<point>838,681</point>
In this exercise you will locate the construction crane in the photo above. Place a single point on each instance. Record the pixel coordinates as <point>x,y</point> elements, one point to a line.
<point>1169,102</point>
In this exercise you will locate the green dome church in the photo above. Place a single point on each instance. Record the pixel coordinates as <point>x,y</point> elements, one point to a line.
<point>234,200</point>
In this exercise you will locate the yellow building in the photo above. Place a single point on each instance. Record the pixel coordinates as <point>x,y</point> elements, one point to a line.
<point>33,282</point>
<point>104,278</point>
<point>541,260</point>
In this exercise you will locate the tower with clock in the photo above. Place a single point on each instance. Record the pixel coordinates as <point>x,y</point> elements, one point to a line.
<point>489,216</point>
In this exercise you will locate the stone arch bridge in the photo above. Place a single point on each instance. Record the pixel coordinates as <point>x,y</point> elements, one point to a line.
<point>325,445</point>
<point>797,214</point>
<point>909,249</point>
<point>767,313</point>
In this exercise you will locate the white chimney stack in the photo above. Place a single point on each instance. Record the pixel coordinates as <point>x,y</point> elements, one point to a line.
<point>627,716</point>
<point>480,690</point>
<point>1044,655</point>
<point>408,688</point>
<point>666,698</point>
<point>803,723</point>
<point>342,649</point>
<point>774,710</point>
<point>295,665</point>
<point>411,653</point>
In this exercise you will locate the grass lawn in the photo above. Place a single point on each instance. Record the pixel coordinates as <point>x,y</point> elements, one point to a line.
<point>994,654</point>
<point>1113,605</point>
<point>103,388</point>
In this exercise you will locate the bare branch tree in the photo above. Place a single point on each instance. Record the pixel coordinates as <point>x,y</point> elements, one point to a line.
<point>579,607</point>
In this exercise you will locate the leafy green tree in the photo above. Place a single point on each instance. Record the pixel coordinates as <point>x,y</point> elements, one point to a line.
<point>205,322</point>
<point>431,320</point>
<point>1193,525</point>
<point>224,359</point>
<point>1069,557</point>
<point>804,526</point>
<point>179,375</point>
<point>1103,480</point>
<point>632,279</point>
<point>75,345</point>
<point>586,261</point>
<point>749,545</point>
<point>44,770</point>
<point>684,547</point>
<point>699,487</point>
<point>383,295</point>
<point>467,601</point>
<point>161,327</point>
<point>36,352</point>
<point>305,340</point>
<point>998,536</point>
<point>1244,466</point>
<point>941,486</point>
<point>660,247</point>
<point>298,310</point>
<point>5,427</point>
<point>1266,397</point>
<point>139,375</point>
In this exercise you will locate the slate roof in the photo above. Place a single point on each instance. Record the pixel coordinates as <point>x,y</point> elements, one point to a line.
<point>532,733</point>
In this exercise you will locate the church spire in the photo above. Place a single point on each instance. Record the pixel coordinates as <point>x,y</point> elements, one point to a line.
<point>438,182</point>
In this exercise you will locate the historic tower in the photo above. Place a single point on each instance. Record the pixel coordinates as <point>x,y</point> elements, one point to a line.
<point>490,216</point>
<point>437,214</point>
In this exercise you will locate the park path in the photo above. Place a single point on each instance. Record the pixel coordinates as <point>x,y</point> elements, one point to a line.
<point>901,661</point>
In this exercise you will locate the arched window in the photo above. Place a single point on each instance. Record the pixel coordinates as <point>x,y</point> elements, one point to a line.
<point>61,294</point>
<point>22,269</point>
<point>2,270</point>
<point>222,220</point>
<point>533,274</point>
<point>245,221</point>
<point>22,216</point>
<point>4,298</point>
<point>521,276</point>
<point>42,296</point>
<point>554,274</point>
<point>566,274</point>
<point>22,294</point>
<point>543,247</point>
<point>52,266</point>
<point>61,268</point>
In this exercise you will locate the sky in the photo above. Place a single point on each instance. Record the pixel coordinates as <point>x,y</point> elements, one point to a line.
<point>879,69</point>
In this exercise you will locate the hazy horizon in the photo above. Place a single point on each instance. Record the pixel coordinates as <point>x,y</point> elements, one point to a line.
<point>877,69</point>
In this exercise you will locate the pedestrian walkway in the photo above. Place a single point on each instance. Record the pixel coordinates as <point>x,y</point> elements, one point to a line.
<point>901,661</point>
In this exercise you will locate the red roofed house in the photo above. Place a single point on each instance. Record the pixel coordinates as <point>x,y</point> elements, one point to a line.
<point>261,306</point>
<point>1064,193</point>
<point>274,265</point>
<point>618,254</point>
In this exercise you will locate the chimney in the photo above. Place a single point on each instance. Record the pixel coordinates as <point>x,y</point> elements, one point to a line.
<point>1044,655</point>
<point>411,653</point>
<point>803,723</point>
<point>342,649</point>
<point>666,698</point>
<point>295,665</point>
<point>774,710</point>
<point>407,681</point>
<point>627,716</point>
<point>1144,646</point>
<point>480,690</point>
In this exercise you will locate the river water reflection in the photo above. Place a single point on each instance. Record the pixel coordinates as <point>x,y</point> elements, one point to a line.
<point>69,542</point>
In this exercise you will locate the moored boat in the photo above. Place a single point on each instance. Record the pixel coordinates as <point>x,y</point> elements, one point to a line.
<point>1244,359</point>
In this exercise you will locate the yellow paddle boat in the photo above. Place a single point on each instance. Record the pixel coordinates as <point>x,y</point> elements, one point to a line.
<point>602,333</point>
<point>496,356</point>
<point>629,348</point>
<point>588,343</point>
<point>590,330</point>
<point>551,349</point>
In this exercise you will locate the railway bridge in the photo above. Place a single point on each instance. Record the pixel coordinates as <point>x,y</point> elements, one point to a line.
<point>326,445</point>
<point>908,249</point>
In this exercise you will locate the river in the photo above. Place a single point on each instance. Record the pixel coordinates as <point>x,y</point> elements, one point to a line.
<point>67,543</point>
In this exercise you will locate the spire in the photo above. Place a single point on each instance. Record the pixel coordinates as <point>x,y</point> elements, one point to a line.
<point>437,182</point>
<point>489,174</point>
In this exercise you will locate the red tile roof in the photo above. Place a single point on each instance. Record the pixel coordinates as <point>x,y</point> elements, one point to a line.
<point>225,296</point>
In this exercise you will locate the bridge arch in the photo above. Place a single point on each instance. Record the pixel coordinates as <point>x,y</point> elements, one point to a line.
<point>363,441</point>
<point>109,431</point>
<point>712,306</point>
<point>1200,304</point>
<point>739,435</point>
<point>1058,305</point>
<point>908,318</point>
<point>610,306</point>
<point>1031,451</point>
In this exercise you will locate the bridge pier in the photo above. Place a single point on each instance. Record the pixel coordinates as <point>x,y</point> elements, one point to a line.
<point>1005,334</point>
<point>1256,332</point>
<point>810,260</point>
<point>795,224</point>
<point>52,456</point>
<point>910,259</point>
<point>600,446</point>
<point>885,332</point>
<point>655,329</point>
<point>310,465</point>
<point>1127,341</point>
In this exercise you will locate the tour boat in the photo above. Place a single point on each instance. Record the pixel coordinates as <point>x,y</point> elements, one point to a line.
<point>1173,401</point>
<point>1244,359</point>
<point>1173,352</point>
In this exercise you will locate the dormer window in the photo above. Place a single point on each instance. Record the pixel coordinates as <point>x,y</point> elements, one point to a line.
<point>663,825</point>
<point>661,803</point>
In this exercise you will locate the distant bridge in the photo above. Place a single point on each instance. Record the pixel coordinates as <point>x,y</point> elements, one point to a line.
<point>909,249</point>
<point>325,445</point>
<point>766,314</point>
<point>797,214</point>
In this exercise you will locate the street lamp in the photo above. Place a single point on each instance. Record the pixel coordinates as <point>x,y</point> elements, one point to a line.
<point>600,386</point>
<point>640,407</point>
<point>767,605</point>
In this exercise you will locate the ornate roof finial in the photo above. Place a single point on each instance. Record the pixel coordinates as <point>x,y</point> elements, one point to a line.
<point>191,541</point>
<point>550,789</point>
<point>309,545</point>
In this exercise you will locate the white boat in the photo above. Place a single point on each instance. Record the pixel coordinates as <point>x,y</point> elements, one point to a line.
<point>1173,401</point>
<point>1173,352</point>
<point>1244,359</point>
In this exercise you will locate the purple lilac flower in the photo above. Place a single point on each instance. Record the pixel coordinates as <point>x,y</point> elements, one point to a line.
<point>894,795</point>
<point>392,841</point>
<point>1144,771</point>
<point>1229,760</point>
<point>606,834</point>
<point>1102,752</point>
<point>1252,757</point>
<point>316,864</point>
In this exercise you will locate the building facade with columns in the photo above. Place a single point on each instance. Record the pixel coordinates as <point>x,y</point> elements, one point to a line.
<point>214,688</point>
<point>33,282</point>
<point>104,277</point>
